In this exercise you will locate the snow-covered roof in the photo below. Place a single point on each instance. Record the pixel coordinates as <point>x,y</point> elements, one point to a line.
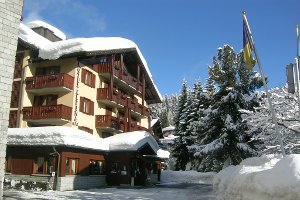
<point>55,136</point>
<point>131,141</point>
<point>38,23</point>
<point>163,153</point>
<point>154,121</point>
<point>54,50</point>
<point>169,128</point>
<point>72,137</point>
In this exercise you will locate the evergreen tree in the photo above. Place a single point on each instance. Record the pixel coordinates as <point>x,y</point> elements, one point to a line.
<point>180,151</point>
<point>226,136</point>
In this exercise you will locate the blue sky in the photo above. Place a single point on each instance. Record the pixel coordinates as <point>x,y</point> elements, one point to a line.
<point>178,38</point>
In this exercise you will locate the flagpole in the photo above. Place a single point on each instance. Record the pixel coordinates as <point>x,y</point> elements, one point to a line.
<point>297,66</point>
<point>265,87</point>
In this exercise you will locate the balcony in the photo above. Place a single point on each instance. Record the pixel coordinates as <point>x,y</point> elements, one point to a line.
<point>116,99</point>
<point>110,123</point>
<point>50,83</point>
<point>55,114</point>
<point>123,79</point>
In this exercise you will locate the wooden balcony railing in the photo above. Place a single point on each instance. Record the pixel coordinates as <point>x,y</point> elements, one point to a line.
<point>46,81</point>
<point>110,121</point>
<point>47,112</point>
<point>117,96</point>
<point>115,68</point>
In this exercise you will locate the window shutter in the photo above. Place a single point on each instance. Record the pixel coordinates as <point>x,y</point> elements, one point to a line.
<point>81,104</point>
<point>93,80</point>
<point>83,75</point>
<point>91,107</point>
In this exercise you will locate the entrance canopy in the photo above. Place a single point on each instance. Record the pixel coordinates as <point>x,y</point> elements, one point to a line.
<point>131,141</point>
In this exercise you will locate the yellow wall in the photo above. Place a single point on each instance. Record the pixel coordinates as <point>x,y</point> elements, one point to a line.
<point>70,66</point>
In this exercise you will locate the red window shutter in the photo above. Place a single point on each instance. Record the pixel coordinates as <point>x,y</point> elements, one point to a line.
<point>83,75</point>
<point>93,80</point>
<point>92,108</point>
<point>81,104</point>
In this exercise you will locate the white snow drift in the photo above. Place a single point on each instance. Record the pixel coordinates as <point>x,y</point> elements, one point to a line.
<point>263,178</point>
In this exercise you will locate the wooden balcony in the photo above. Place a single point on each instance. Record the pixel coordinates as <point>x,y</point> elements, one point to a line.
<point>110,123</point>
<point>114,98</point>
<point>46,83</point>
<point>123,79</point>
<point>55,114</point>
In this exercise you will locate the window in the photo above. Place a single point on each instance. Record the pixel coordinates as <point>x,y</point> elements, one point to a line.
<point>72,166</point>
<point>88,78</point>
<point>115,167</point>
<point>45,100</point>
<point>8,165</point>
<point>86,106</point>
<point>96,167</point>
<point>40,166</point>
<point>47,70</point>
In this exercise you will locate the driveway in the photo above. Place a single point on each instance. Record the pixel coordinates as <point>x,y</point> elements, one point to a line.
<point>183,191</point>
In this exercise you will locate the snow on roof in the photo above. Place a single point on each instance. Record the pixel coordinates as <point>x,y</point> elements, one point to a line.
<point>67,136</point>
<point>154,121</point>
<point>54,50</point>
<point>266,177</point>
<point>55,136</point>
<point>131,141</point>
<point>38,23</point>
<point>29,36</point>
<point>163,153</point>
<point>169,128</point>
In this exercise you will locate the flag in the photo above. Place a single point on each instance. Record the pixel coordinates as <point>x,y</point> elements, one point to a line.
<point>247,52</point>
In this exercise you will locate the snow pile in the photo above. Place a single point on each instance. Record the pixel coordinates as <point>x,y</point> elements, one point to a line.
<point>131,141</point>
<point>56,31</point>
<point>163,154</point>
<point>264,178</point>
<point>177,177</point>
<point>55,136</point>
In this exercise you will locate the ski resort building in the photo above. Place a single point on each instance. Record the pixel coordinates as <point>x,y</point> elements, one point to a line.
<point>67,96</point>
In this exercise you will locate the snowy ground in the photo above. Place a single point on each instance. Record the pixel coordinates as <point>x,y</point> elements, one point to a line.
<point>187,185</point>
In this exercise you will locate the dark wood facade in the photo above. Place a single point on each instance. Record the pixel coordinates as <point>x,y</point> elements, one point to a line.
<point>123,167</point>
<point>25,160</point>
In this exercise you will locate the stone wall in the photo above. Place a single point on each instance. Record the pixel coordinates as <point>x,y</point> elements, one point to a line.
<point>10,15</point>
<point>80,182</point>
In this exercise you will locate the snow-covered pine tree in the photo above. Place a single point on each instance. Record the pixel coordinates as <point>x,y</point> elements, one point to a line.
<point>165,111</point>
<point>226,136</point>
<point>196,127</point>
<point>260,122</point>
<point>180,151</point>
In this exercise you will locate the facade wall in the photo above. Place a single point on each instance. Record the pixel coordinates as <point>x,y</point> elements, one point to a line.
<point>10,15</point>
<point>80,182</point>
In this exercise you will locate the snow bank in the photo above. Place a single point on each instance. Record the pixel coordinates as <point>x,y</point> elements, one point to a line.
<point>54,136</point>
<point>177,177</point>
<point>263,178</point>
<point>56,31</point>
<point>131,141</point>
